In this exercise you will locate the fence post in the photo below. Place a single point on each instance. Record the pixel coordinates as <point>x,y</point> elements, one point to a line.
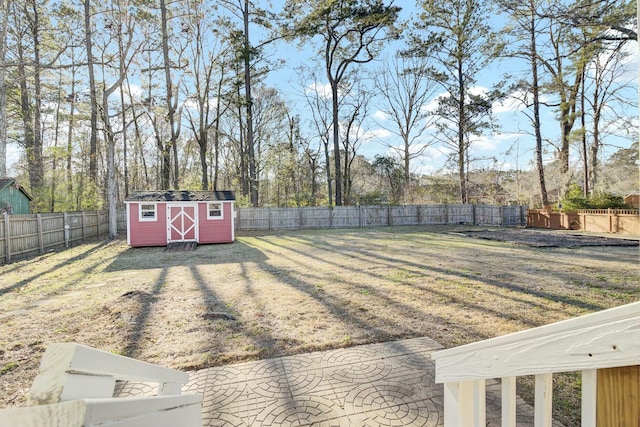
<point>40,239</point>
<point>446,214</point>
<point>66,229</point>
<point>299,218</point>
<point>84,231</point>
<point>7,238</point>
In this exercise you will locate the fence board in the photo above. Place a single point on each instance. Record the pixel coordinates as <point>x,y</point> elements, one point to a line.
<point>460,214</point>
<point>27,235</point>
<point>434,215</point>
<point>345,217</point>
<point>374,216</point>
<point>31,234</point>
<point>405,215</point>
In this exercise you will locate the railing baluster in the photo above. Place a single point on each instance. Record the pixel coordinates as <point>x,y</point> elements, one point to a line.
<point>452,404</point>
<point>508,402</point>
<point>479,403</point>
<point>465,404</point>
<point>589,397</point>
<point>543,400</point>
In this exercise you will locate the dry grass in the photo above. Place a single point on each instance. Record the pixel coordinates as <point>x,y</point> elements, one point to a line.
<point>276,294</point>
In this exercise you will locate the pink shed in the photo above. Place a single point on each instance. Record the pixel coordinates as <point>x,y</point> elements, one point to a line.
<point>158,218</point>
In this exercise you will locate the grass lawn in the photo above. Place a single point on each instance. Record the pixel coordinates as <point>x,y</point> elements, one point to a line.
<point>275,294</point>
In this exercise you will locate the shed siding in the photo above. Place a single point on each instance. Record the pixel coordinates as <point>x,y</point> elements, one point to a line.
<point>13,197</point>
<point>148,233</point>
<point>216,230</point>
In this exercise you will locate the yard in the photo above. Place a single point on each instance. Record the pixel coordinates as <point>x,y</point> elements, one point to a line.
<point>274,294</point>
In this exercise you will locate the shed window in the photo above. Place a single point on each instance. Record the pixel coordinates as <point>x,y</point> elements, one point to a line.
<point>214,211</point>
<point>148,212</point>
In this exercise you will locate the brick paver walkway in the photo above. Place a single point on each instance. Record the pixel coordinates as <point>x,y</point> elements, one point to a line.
<point>388,384</point>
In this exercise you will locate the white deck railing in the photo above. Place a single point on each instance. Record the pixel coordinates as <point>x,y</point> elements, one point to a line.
<point>606,339</point>
<point>75,387</point>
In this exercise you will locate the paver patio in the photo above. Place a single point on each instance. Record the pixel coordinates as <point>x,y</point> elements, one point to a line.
<point>387,384</point>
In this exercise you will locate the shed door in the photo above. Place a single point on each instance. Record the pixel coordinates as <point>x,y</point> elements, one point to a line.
<point>182,223</point>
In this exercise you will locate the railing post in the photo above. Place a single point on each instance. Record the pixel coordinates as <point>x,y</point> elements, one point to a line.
<point>543,400</point>
<point>508,393</point>
<point>589,397</point>
<point>465,404</point>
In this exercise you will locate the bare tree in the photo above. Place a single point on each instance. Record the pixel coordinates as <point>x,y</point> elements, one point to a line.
<point>406,86</point>
<point>460,42</point>
<point>524,30</point>
<point>352,33</point>
<point>320,108</point>
<point>4,19</point>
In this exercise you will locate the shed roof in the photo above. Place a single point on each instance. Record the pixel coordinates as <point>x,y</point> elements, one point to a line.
<point>5,182</point>
<point>180,196</point>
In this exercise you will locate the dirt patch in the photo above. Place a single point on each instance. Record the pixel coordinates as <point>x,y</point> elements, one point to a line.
<point>269,295</point>
<point>547,238</point>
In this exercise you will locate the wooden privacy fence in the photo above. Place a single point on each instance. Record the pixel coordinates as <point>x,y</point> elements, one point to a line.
<point>28,235</point>
<point>377,216</point>
<point>621,221</point>
<point>25,235</point>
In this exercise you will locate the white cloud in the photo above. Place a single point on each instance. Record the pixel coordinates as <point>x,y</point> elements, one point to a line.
<point>322,90</point>
<point>380,116</point>
<point>492,142</point>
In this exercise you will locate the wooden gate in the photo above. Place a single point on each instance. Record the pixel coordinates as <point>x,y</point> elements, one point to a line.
<point>182,223</point>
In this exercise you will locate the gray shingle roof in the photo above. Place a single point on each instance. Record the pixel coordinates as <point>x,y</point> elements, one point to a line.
<point>181,196</point>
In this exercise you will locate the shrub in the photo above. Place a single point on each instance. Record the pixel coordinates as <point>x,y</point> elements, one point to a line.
<point>574,200</point>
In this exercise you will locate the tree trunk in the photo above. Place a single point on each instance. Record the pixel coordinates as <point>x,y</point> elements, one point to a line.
<point>253,179</point>
<point>336,140</point>
<point>462,149</point>
<point>4,6</point>
<point>93,137</point>
<point>171,110</point>
<point>70,127</point>
<point>536,111</point>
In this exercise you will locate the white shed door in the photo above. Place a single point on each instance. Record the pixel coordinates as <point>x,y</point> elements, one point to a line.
<point>182,223</point>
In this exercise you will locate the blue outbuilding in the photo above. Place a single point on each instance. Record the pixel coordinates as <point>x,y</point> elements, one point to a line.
<point>14,199</point>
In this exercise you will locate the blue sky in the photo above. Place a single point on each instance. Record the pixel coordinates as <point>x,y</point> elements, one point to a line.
<point>512,145</point>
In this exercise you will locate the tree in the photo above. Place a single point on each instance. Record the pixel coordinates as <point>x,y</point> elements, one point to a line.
<point>93,95</point>
<point>523,29</point>
<point>611,20</point>
<point>354,112</point>
<point>604,81</point>
<point>318,102</point>
<point>171,89</point>
<point>352,32</point>
<point>208,58</point>
<point>4,19</point>
<point>461,43</point>
<point>392,174</point>
<point>406,86</point>
<point>119,34</point>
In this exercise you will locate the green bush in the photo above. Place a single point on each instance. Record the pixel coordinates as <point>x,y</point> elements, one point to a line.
<point>607,201</point>
<point>574,200</point>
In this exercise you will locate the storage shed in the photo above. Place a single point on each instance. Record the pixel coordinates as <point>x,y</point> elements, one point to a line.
<point>13,198</point>
<point>158,218</point>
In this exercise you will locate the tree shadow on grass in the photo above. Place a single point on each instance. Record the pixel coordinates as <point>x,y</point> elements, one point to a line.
<point>66,263</point>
